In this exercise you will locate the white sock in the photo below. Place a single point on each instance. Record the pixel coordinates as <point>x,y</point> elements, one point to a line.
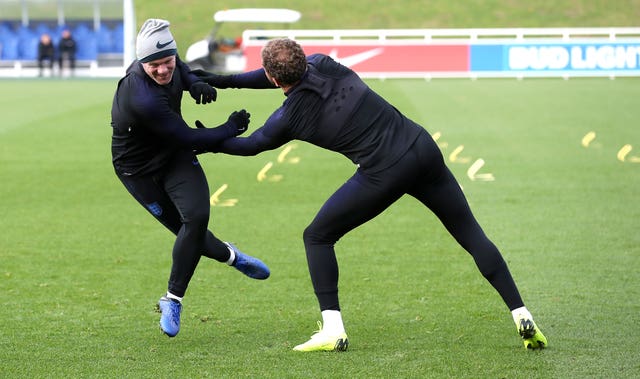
<point>332,322</point>
<point>232,255</point>
<point>518,313</point>
<point>172,296</point>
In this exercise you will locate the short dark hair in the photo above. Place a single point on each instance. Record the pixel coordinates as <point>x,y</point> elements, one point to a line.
<point>284,60</point>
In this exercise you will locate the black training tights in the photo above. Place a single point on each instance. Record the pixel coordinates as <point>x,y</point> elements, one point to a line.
<point>178,197</point>
<point>422,174</point>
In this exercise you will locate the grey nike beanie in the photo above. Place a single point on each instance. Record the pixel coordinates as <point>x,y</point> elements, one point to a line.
<point>155,41</point>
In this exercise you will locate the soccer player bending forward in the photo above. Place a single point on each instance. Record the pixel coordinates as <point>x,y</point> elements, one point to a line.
<point>328,105</point>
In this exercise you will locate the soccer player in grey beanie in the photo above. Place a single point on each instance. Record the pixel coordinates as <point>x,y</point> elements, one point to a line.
<point>154,155</point>
<point>328,105</point>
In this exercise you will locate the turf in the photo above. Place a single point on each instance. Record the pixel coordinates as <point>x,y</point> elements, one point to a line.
<point>81,264</point>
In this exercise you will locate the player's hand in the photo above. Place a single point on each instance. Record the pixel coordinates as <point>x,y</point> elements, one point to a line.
<point>199,125</point>
<point>240,119</point>
<point>203,93</point>
<point>208,77</point>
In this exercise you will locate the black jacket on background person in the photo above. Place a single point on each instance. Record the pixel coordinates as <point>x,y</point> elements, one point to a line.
<point>67,51</point>
<point>46,52</point>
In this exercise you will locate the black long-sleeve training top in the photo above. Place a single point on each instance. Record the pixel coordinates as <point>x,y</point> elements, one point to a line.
<point>331,108</point>
<point>148,128</point>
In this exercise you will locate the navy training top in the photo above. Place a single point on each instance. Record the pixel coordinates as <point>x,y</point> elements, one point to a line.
<point>148,128</point>
<point>331,108</point>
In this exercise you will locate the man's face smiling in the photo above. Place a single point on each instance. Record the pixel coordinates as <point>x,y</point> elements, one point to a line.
<point>161,70</point>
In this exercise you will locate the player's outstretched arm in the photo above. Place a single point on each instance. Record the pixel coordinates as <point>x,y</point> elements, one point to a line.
<point>256,79</point>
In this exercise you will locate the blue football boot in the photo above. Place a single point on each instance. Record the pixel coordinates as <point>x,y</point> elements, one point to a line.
<point>170,318</point>
<point>248,265</point>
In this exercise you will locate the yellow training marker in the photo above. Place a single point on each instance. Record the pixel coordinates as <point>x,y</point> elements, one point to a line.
<point>436,136</point>
<point>228,203</point>
<point>283,155</point>
<point>453,157</point>
<point>215,198</point>
<point>472,172</point>
<point>586,140</point>
<point>623,152</point>
<point>262,174</point>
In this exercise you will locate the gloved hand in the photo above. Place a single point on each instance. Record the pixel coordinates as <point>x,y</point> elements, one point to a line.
<point>207,77</point>
<point>203,93</point>
<point>237,123</point>
<point>240,119</point>
<point>199,125</point>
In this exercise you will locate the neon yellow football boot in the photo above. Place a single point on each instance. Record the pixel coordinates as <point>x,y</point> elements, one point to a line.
<point>321,341</point>
<point>531,334</point>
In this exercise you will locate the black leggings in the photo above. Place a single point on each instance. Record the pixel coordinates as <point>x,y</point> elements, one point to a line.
<point>421,173</point>
<point>178,197</point>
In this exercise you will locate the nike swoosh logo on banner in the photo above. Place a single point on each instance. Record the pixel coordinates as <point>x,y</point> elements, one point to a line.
<point>352,60</point>
<point>161,45</point>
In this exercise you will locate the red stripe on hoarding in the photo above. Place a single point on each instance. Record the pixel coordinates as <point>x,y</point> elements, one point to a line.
<point>384,58</point>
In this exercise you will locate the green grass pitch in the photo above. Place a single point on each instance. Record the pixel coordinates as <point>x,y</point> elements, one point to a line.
<point>81,264</point>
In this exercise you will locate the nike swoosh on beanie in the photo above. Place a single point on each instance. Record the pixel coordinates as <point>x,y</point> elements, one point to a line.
<point>162,45</point>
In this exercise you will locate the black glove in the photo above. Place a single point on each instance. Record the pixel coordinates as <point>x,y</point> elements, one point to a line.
<point>239,119</point>
<point>208,77</point>
<point>199,125</point>
<point>237,123</point>
<point>203,93</point>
